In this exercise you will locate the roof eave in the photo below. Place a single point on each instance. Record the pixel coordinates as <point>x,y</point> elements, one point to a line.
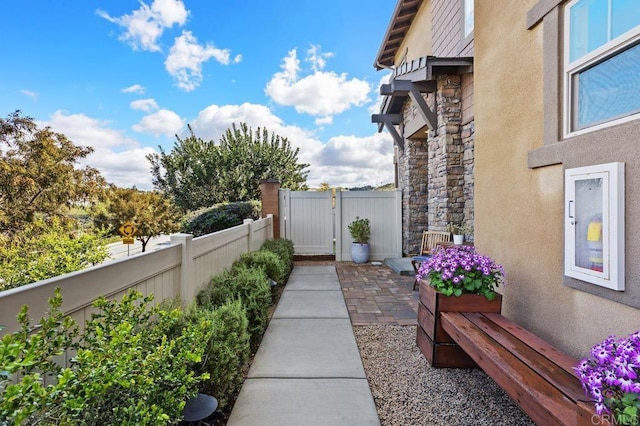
<point>403,15</point>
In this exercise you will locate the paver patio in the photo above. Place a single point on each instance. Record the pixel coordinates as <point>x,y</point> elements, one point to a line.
<point>374,294</point>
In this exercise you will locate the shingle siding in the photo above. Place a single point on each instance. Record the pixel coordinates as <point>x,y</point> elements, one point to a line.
<point>447,30</point>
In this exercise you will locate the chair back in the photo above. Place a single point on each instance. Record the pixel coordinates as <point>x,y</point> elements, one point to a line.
<point>431,238</point>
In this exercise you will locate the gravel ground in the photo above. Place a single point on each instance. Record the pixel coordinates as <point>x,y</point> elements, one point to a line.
<point>407,391</point>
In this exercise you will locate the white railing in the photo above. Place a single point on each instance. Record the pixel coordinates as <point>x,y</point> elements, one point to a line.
<point>179,270</point>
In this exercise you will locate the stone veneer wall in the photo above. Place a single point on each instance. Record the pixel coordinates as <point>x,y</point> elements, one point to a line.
<point>412,164</point>
<point>468,139</point>
<point>448,183</point>
<point>436,174</point>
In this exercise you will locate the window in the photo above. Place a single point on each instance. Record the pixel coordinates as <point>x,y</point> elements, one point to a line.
<point>468,17</point>
<point>602,63</point>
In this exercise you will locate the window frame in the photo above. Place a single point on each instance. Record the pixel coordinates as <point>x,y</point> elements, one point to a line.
<point>572,69</point>
<point>465,5</point>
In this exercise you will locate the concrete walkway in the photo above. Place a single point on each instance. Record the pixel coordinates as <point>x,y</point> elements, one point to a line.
<point>308,369</point>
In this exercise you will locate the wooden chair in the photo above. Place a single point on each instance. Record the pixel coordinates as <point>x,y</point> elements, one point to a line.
<point>430,240</point>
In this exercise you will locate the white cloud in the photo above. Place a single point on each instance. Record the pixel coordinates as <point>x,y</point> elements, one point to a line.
<point>214,120</point>
<point>146,105</point>
<point>375,107</point>
<point>186,57</point>
<point>119,158</point>
<point>348,161</point>
<point>323,120</point>
<point>316,58</point>
<point>345,161</point>
<point>136,88</point>
<point>237,59</point>
<point>163,122</point>
<point>144,26</point>
<point>322,93</point>
<point>29,93</point>
<point>126,168</point>
<point>83,130</point>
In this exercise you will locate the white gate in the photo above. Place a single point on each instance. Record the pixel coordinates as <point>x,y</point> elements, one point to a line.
<point>317,222</point>
<point>307,219</point>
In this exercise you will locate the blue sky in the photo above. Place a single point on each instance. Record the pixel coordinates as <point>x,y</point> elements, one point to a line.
<point>125,76</point>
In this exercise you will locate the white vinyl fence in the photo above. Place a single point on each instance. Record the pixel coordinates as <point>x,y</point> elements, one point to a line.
<point>317,222</point>
<point>178,270</point>
<point>384,211</point>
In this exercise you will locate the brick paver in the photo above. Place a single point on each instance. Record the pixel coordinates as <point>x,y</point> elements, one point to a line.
<point>376,295</point>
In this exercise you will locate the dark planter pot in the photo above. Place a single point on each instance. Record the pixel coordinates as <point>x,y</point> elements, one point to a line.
<point>434,343</point>
<point>359,252</point>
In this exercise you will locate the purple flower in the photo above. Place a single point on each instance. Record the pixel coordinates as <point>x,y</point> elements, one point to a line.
<point>611,374</point>
<point>611,378</point>
<point>450,266</point>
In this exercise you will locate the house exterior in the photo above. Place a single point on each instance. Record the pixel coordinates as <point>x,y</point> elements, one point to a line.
<point>556,164</point>
<point>428,109</point>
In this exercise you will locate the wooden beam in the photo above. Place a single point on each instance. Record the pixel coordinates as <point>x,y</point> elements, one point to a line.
<point>408,88</point>
<point>390,121</point>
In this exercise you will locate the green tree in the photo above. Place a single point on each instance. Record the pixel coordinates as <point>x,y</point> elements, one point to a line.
<point>324,186</point>
<point>189,173</point>
<point>198,173</point>
<point>39,174</point>
<point>152,213</point>
<point>47,249</point>
<point>249,157</point>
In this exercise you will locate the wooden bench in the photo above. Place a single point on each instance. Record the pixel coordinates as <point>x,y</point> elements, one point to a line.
<point>536,375</point>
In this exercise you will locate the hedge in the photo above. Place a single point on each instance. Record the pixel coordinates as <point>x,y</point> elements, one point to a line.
<point>219,217</point>
<point>283,248</point>
<point>251,286</point>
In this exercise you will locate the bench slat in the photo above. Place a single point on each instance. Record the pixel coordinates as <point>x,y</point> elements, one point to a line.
<point>540,358</point>
<point>544,403</point>
<point>563,360</point>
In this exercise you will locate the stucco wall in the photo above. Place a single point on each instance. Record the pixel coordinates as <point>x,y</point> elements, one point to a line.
<point>417,43</point>
<point>519,211</point>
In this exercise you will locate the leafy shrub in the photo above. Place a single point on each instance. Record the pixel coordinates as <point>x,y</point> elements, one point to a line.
<point>360,230</point>
<point>283,248</point>
<point>45,250</point>
<point>251,286</point>
<point>270,262</point>
<point>211,221</point>
<point>126,370</point>
<point>227,350</point>
<point>219,217</point>
<point>244,209</point>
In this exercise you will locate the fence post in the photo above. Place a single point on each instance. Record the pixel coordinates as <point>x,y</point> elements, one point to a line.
<point>187,284</point>
<point>269,190</point>
<point>282,222</point>
<point>271,226</point>
<point>337,211</point>
<point>249,223</point>
<point>398,222</point>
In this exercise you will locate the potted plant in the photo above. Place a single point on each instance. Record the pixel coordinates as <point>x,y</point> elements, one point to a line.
<point>458,231</point>
<point>454,279</point>
<point>360,230</point>
<point>611,376</point>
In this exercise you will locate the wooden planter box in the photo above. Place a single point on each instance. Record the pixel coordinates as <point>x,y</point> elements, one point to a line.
<point>434,343</point>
